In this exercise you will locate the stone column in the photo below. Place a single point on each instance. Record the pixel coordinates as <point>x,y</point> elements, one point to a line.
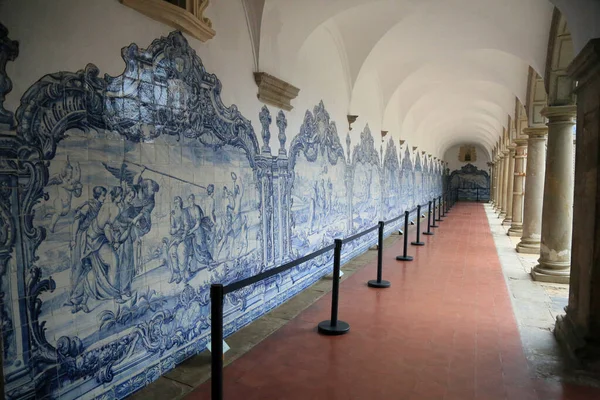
<point>534,190</point>
<point>491,166</point>
<point>500,179</point>
<point>494,177</point>
<point>557,215</point>
<point>505,165</point>
<point>491,182</point>
<point>510,184</point>
<point>579,330</point>
<point>516,227</point>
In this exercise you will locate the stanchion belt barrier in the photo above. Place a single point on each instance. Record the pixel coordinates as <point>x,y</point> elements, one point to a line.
<point>328,327</point>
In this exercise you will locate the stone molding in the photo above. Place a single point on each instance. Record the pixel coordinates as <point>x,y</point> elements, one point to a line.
<point>536,132</point>
<point>189,20</point>
<point>276,92</point>
<point>520,142</point>
<point>351,120</point>
<point>560,113</point>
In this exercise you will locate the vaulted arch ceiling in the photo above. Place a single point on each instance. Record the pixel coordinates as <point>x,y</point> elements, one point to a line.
<point>436,71</point>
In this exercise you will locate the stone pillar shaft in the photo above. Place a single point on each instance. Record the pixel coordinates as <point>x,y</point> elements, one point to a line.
<point>492,174</point>
<point>510,184</point>
<point>495,182</point>
<point>500,180</point>
<point>557,215</point>
<point>505,165</point>
<point>534,190</point>
<point>516,227</point>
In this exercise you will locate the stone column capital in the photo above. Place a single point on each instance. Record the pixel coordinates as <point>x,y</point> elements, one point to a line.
<point>505,152</point>
<point>560,113</point>
<point>537,132</point>
<point>521,142</point>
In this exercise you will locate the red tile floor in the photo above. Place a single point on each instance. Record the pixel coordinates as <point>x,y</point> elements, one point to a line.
<point>444,330</point>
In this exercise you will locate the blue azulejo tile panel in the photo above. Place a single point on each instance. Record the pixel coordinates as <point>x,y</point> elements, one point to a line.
<point>123,198</point>
<point>473,184</point>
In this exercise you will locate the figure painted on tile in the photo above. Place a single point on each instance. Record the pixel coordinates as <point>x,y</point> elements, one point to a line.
<point>178,247</point>
<point>199,228</point>
<point>210,210</point>
<point>144,200</point>
<point>62,187</point>
<point>101,258</point>
<point>329,195</point>
<point>234,226</point>
<point>314,222</point>
<point>126,230</point>
<point>84,215</point>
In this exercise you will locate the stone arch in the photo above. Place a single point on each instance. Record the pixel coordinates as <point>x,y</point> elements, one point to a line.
<point>559,85</point>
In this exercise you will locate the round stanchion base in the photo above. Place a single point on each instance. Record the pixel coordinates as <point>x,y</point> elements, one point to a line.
<point>380,285</point>
<point>428,233</point>
<point>404,258</point>
<point>340,328</point>
<point>417,243</point>
<point>435,226</point>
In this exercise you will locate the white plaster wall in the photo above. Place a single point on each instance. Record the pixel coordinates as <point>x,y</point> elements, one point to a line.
<point>451,157</point>
<point>320,75</point>
<point>65,35</point>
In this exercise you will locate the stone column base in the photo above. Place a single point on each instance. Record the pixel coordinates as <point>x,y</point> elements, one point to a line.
<point>507,221</point>
<point>528,246</point>
<point>551,272</point>
<point>515,230</point>
<point>502,214</point>
<point>584,354</point>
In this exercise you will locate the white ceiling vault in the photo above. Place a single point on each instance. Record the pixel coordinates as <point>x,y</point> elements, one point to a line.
<point>435,72</point>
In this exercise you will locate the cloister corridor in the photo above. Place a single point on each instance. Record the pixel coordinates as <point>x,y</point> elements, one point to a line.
<point>299,199</point>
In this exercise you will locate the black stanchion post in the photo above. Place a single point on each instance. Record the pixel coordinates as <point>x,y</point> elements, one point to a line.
<point>443,204</point>
<point>439,218</point>
<point>216,337</point>
<point>477,191</point>
<point>418,241</point>
<point>334,326</point>
<point>428,233</point>
<point>405,257</point>
<point>433,224</point>
<point>379,283</point>
<point>448,200</point>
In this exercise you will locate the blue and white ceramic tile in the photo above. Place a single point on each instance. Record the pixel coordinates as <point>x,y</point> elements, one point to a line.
<point>123,198</point>
<point>472,183</point>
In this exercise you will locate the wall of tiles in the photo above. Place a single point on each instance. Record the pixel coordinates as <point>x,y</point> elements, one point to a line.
<point>122,198</point>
